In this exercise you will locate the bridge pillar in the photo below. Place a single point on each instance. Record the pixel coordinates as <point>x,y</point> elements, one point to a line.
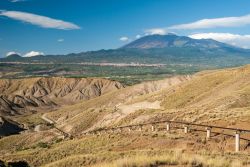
<point>185,129</point>
<point>208,132</point>
<point>168,127</point>
<point>152,128</point>
<point>140,128</point>
<point>237,141</point>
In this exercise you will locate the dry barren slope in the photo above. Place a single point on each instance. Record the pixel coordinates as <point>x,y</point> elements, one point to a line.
<point>23,95</point>
<point>108,109</point>
<point>214,97</point>
<point>220,96</point>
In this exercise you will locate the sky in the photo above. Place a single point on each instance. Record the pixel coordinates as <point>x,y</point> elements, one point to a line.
<point>31,27</point>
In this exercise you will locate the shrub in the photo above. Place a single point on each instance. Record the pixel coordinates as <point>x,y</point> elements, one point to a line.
<point>43,145</point>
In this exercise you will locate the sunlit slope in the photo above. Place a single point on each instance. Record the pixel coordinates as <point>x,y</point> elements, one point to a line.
<point>90,150</point>
<point>212,95</point>
<point>106,108</point>
<point>220,96</point>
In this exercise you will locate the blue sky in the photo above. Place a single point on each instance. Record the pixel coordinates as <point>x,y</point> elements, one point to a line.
<point>66,26</point>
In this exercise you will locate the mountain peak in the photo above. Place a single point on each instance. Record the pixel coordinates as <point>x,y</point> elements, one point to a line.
<point>172,40</point>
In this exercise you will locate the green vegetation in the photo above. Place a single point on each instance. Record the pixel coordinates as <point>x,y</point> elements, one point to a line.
<point>43,145</point>
<point>126,75</point>
<point>175,60</point>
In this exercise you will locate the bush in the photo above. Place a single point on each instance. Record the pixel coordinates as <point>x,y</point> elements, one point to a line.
<point>58,140</point>
<point>43,145</point>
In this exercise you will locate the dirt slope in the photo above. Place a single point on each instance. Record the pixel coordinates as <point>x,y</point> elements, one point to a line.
<point>26,95</point>
<point>219,97</point>
<point>107,108</point>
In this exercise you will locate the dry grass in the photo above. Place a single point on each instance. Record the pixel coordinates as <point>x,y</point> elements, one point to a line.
<point>207,97</point>
<point>110,100</point>
<point>220,97</point>
<point>30,119</point>
<point>137,149</point>
<point>172,159</point>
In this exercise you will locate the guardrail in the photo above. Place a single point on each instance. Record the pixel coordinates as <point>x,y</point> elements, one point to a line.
<point>186,125</point>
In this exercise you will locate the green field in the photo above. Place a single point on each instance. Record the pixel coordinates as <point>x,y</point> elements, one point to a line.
<point>126,75</point>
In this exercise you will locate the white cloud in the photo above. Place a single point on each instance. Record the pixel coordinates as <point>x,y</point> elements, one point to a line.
<point>242,41</point>
<point>38,20</point>
<point>60,40</point>
<point>12,53</point>
<point>203,24</point>
<point>216,22</point>
<point>160,31</point>
<point>16,0</point>
<point>33,53</point>
<point>124,39</point>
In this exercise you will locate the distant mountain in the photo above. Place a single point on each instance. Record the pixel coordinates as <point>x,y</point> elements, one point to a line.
<point>154,49</point>
<point>157,48</point>
<point>172,40</point>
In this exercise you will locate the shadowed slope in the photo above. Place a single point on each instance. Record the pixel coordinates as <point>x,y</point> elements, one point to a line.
<point>8,127</point>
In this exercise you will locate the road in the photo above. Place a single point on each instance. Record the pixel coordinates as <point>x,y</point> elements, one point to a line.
<point>37,128</point>
<point>47,119</point>
<point>43,117</point>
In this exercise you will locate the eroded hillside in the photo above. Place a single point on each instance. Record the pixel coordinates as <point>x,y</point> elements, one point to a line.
<point>111,108</point>
<point>219,97</point>
<point>19,96</point>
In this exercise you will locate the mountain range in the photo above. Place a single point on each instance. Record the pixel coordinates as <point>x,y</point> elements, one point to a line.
<point>167,49</point>
<point>151,57</point>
